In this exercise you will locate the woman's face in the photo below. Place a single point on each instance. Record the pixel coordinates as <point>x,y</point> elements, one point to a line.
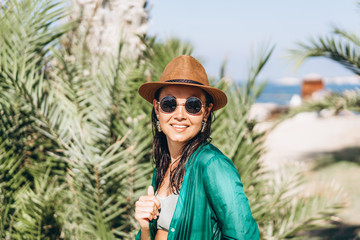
<point>180,126</point>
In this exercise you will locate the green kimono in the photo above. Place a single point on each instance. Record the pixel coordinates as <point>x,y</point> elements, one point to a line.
<point>212,203</point>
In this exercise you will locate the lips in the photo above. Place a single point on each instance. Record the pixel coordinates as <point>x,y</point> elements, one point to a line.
<point>179,126</point>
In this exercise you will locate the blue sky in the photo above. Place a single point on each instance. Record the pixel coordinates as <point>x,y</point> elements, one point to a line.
<point>235,29</point>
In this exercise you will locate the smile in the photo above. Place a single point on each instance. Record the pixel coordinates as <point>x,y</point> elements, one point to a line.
<point>179,126</point>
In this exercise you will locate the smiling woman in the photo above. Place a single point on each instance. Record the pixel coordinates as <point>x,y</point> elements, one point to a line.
<point>196,191</point>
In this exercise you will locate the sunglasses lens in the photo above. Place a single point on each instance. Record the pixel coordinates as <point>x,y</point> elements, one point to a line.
<point>193,105</point>
<point>168,104</point>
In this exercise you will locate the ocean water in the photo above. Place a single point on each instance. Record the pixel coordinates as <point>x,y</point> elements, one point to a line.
<point>281,94</point>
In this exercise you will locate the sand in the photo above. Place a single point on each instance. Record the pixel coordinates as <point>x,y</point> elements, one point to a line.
<point>306,136</point>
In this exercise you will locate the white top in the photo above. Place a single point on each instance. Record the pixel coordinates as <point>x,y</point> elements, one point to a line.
<point>166,211</point>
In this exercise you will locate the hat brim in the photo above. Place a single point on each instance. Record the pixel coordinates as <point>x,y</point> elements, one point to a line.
<point>148,90</point>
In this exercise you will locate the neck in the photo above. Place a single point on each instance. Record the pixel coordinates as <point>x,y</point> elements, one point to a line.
<point>175,150</point>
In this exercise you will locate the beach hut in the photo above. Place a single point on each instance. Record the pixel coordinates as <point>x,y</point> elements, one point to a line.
<point>310,84</point>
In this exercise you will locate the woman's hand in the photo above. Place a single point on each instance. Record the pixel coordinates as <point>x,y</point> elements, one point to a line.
<point>147,208</point>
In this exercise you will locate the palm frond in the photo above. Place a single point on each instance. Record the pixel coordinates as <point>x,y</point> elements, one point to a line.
<point>12,178</point>
<point>343,51</point>
<point>294,209</point>
<point>351,37</point>
<point>37,208</point>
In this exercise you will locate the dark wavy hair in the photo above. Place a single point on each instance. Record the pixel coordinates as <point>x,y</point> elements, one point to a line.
<point>161,154</point>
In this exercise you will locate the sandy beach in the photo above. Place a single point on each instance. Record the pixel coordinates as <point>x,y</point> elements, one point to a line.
<point>309,141</point>
<point>306,136</point>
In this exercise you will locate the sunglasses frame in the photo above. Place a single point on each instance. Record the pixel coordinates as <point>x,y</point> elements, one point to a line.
<point>181,104</point>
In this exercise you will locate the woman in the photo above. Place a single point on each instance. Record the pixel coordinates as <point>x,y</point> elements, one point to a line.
<point>196,191</point>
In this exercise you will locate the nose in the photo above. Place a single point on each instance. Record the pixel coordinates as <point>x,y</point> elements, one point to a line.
<point>180,112</point>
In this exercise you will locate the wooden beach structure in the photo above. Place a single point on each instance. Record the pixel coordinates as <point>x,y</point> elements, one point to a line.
<point>310,84</point>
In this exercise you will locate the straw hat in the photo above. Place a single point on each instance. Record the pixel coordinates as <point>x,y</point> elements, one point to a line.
<point>184,70</point>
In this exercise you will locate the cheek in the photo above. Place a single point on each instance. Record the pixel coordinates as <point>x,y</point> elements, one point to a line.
<point>163,118</point>
<point>196,121</point>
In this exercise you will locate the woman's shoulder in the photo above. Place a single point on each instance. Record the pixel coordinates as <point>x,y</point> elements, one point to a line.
<point>212,163</point>
<point>210,154</point>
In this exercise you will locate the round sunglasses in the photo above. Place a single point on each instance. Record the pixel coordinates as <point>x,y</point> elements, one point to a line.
<point>192,105</point>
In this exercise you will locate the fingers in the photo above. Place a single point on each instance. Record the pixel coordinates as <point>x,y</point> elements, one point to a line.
<point>147,207</point>
<point>150,191</point>
<point>157,202</point>
<point>149,202</point>
<point>150,197</point>
<point>146,215</point>
<point>146,211</point>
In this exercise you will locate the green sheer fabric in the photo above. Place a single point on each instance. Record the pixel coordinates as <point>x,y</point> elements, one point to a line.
<point>212,203</point>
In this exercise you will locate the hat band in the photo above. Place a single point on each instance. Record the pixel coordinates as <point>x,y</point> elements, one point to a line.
<point>184,81</point>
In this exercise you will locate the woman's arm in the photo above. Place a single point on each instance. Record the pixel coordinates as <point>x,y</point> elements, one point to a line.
<point>225,193</point>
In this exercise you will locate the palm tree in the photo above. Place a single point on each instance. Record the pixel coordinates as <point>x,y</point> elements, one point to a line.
<point>72,139</point>
<point>25,165</point>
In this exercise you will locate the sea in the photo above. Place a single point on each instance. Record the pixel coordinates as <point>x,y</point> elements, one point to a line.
<point>281,94</point>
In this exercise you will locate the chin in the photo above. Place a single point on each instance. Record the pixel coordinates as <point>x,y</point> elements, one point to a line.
<point>177,138</point>
<point>180,140</point>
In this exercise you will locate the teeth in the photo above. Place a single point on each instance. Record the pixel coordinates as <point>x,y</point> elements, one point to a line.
<point>179,126</point>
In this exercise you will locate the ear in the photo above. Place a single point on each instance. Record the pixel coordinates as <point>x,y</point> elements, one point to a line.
<point>208,111</point>
<point>156,107</point>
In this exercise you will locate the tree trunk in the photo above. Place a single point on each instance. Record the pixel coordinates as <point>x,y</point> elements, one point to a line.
<point>104,24</point>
